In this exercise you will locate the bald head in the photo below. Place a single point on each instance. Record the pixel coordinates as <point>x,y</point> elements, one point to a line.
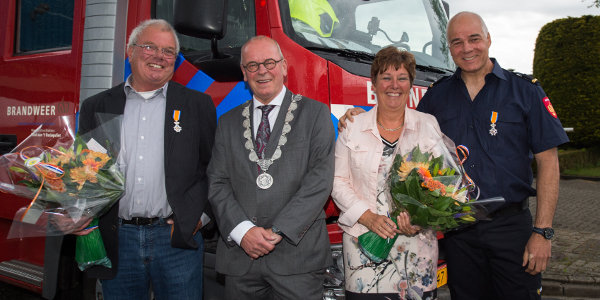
<point>259,38</point>
<point>465,16</point>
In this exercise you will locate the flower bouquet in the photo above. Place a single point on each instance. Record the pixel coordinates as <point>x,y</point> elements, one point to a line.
<point>427,180</point>
<point>70,179</point>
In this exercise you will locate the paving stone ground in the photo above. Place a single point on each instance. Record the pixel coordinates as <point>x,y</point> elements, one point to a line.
<point>574,269</point>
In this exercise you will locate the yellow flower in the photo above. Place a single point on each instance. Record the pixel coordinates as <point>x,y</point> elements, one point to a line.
<point>407,166</point>
<point>63,158</point>
<point>104,158</point>
<point>82,174</point>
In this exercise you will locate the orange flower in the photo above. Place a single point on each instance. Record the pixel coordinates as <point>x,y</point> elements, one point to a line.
<point>82,174</point>
<point>104,158</point>
<point>92,163</point>
<point>433,185</point>
<point>424,173</point>
<point>52,181</point>
<point>56,184</point>
<point>440,172</point>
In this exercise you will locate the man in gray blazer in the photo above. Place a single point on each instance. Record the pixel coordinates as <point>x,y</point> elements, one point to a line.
<point>270,175</point>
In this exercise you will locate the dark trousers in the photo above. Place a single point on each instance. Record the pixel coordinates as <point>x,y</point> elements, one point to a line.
<point>485,260</point>
<point>260,283</point>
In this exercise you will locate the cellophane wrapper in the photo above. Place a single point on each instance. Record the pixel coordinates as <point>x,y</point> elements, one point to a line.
<point>428,181</point>
<point>70,179</point>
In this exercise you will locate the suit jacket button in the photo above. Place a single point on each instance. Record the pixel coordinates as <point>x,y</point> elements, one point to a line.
<point>253,219</point>
<point>113,227</point>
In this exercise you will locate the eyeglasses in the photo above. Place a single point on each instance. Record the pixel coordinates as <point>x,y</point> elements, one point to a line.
<point>151,50</point>
<point>269,64</point>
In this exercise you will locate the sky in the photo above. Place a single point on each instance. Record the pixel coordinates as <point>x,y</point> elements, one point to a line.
<point>514,24</point>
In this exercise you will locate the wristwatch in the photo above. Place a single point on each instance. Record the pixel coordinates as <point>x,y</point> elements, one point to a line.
<point>547,233</point>
<point>276,230</point>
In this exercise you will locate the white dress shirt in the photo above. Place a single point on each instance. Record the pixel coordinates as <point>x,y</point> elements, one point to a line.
<point>240,230</point>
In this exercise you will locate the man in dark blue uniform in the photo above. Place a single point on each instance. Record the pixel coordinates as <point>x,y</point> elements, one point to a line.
<point>505,119</point>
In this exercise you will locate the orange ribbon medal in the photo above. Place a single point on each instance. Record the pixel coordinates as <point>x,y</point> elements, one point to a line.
<point>493,119</point>
<point>176,114</point>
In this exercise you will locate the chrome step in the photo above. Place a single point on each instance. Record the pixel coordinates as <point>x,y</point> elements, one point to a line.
<point>22,271</point>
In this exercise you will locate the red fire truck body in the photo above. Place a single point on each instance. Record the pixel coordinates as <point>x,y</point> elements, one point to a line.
<point>56,53</point>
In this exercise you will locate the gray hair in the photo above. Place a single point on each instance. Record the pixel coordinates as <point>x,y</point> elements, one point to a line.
<point>467,13</point>
<point>258,38</point>
<point>159,23</point>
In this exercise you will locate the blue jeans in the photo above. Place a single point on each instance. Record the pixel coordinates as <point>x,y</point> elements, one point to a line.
<point>146,256</point>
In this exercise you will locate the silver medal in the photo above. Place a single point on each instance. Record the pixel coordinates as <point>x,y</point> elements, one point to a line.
<point>249,145</point>
<point>282,140</point>
<point>286,128</point>
<point>277,154</point>
<point>289,117</point>
<point>247,133</point>
<point>252,156</point>
<point>493,131</point>
<point>264,181</point>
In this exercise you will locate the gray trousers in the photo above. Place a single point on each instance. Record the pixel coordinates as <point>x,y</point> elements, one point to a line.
<point>260,283</point>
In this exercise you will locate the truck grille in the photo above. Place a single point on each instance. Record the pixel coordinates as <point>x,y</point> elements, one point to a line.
<point>22,271</point>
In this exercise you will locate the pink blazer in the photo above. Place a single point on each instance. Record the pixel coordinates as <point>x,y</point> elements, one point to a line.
<point>358,153</point>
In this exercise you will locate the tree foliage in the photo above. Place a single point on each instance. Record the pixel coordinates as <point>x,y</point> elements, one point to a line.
<point>567,63</point>
<point>595,3</point>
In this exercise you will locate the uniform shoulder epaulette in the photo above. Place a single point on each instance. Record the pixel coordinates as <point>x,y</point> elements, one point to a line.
<point>526,77</point>
<point>439,80</point>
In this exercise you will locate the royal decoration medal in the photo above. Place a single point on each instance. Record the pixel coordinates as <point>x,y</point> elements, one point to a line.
<point>493,119</point>
<point>176,115</point>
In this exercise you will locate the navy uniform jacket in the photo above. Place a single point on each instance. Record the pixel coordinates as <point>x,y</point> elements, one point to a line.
<point>526,123</point>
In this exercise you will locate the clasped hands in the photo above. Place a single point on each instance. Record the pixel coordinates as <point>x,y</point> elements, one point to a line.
<point>258,242</point>
<point>385,227</point>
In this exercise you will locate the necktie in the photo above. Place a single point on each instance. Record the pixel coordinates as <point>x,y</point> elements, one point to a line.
<point>264,130</point>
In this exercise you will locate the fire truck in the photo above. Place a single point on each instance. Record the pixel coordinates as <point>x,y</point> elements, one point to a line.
<point>57,53</point>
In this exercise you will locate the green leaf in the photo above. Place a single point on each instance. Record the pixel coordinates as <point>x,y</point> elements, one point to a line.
<point>435,170</point>
<point>442,203</point>
<point>18,170</point>
<point>418,156</point>
<point>28,183</point>
<point>79,148</point>
<point>406,200</point>
<point>437,213</point>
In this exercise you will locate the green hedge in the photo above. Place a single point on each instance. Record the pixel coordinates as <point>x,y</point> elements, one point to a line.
<point>575,159</point>
<point>567,63</point>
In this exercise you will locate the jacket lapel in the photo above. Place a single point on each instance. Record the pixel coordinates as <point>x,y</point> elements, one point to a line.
<point>116,104</point>
<point>278,127</point>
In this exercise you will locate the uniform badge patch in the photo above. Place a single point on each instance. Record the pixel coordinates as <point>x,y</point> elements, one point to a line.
<point>549,107</point>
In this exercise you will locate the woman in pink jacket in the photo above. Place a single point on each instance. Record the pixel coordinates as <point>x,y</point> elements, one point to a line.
<point>363,157</point>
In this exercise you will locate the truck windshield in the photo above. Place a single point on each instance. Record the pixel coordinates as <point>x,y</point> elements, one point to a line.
<point>418,26</point>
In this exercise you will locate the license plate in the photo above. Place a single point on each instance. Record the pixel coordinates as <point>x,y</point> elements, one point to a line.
<point>442,275</point>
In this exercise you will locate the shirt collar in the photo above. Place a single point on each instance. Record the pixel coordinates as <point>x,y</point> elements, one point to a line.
<point>128,86</point>
<point>278,100</point>
<point>496,70</point>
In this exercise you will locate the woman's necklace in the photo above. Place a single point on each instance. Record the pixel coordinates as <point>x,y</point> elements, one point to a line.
<point>390,129</point>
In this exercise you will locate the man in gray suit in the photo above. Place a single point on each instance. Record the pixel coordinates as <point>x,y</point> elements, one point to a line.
<point>270,175</point>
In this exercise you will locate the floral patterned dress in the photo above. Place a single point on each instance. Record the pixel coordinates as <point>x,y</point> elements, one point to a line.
<point>410,271</point>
